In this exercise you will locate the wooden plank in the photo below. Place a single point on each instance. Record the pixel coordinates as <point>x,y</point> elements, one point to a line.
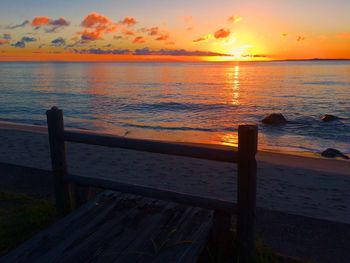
<point>105,242</point>
<point>120,229</point>
<point>187,150</point>
<point>56,238</point>
<point>167,195</point>
<point>221,237</point>
<point>58,159</point>
<point>246,192</point>
<point>81,194</point>
<point>180,237</point>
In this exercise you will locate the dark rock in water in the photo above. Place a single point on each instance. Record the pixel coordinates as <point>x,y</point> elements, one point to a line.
<point>275,119</point>
<point>329,117</point>
<point>333,153</point>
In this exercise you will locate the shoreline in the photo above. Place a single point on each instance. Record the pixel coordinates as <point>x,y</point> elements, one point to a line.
<point>307,160</point>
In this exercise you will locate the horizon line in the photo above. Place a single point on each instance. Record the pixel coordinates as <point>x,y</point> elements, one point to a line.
<point>172,61</point>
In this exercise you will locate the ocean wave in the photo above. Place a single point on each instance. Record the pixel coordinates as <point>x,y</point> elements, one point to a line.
<point>177,128</point>
<point>175,106</point>
<point>328,83</point>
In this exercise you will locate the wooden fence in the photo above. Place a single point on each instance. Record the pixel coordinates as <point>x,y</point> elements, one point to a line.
<point>70,190</point>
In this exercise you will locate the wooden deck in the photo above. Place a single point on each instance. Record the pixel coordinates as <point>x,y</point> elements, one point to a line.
<point>126,228</point>
<point>117,227</point>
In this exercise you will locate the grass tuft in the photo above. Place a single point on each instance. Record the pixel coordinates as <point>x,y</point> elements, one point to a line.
<point>21,216</point>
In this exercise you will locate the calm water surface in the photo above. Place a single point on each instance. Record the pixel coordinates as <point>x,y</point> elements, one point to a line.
<point>197,102</point>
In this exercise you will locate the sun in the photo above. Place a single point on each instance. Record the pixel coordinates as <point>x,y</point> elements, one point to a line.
<point>239,52</point>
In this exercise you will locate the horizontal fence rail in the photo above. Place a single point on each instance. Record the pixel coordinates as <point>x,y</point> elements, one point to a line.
<point>186,150</point>
<point>166,195</point>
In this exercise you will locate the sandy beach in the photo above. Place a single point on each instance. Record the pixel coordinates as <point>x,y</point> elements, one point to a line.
<point>311,187</point>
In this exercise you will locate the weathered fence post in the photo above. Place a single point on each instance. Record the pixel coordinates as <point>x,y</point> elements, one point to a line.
<point>58,159</point>
<point>246,193</point>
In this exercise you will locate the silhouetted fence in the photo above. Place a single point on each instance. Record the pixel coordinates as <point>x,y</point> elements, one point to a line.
<point>71,190</point>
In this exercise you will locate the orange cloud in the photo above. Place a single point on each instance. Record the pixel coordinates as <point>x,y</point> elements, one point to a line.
<point>3,42</point>
<point>222,33</point>
<point>40,21</point>
<point>128,32</point>
<point>138,40</point>
<point>96,26</point>
<point>162,37</point>
<point>129,21</point>
<point>283,35</point>
<point>46,21</point>
<point>95,20</point>
<point>91,35</point>
<point>50,25</point>
<point>153,31</point>
<point>300,38</point>
<point>235,19</point>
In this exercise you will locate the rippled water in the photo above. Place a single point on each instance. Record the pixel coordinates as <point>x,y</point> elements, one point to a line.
<point>201,102</point>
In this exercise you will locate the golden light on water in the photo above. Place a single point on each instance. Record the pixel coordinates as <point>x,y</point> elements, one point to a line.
<point>234,84</point>
<point>230,139</point>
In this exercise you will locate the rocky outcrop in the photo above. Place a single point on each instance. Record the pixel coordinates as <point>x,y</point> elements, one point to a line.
<point>333,153</point>
<point>329,117</point>
<point>275,119</point>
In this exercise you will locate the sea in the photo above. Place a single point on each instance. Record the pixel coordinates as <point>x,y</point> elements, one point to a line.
<point>187,101</point>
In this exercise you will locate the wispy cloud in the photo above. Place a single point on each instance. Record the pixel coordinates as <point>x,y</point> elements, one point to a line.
<point>23,41</point>
<point>175,52</point>
<point>19,44</point>
<point>189,23</point>
<point>118,37</point>
<point>28,39</point>
<point>203,39</point>
<point>235,19</point>
<point>147,52</point>
<point>58,42</point>
<point>138,40</point>
<point>153,31</point>
<point>162,37</point>
<point>126,32</point>
<point>99,51</point>
<point>254,56</point>
<point>23,24</point>
<point>128,21</point>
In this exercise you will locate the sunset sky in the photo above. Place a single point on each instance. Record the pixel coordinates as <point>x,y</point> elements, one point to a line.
<point>221,30</point>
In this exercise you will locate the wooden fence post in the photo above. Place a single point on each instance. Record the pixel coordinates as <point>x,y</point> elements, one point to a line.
<point>246,192</point>
<point>58,159</point>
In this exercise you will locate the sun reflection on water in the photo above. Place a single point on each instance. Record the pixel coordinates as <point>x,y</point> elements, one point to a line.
<point>229,139</point>
<point>235,86</point>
